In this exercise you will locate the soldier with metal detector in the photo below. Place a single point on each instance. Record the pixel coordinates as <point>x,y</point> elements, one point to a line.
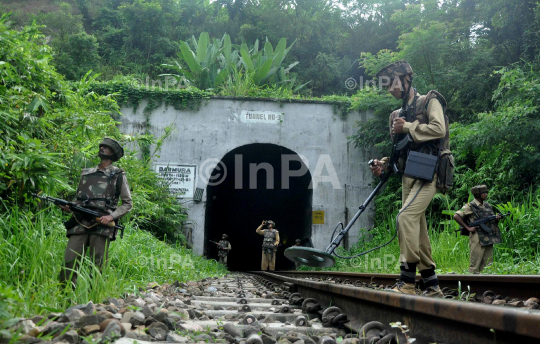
<point>483,236</point>
<point>424,126</point>
<point>421,154</point>
<point>270,244</point>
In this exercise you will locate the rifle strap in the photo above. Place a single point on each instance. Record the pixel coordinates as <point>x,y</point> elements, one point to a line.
<point>87,227</point>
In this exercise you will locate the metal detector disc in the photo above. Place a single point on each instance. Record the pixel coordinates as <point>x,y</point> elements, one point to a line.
<point>310,257</point>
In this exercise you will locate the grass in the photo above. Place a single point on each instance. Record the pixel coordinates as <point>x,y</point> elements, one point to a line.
<point>519,252</point>
<point>32,250</point>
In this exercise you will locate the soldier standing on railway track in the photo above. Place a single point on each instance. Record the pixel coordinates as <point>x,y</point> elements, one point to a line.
<point>480,242</point>
<point>270,244</point>
<point>224,246</point>
<point>428,133</point>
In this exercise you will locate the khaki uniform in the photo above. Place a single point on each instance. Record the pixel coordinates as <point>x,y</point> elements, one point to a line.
<point>268,260</point>
<point>95,241</point>
<point>224,248</point>
<point>414,243</point>
<point>481,255</point>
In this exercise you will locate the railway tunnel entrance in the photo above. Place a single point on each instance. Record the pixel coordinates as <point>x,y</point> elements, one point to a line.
<point>250,184</point>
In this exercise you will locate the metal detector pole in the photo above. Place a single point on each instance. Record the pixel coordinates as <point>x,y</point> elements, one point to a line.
<point>337,240</point>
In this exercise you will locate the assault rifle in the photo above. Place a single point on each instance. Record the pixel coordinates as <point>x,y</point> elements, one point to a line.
<point>217,243</point>
<point>81,211</point>
<point>482,222</point>
<point>400,143</point>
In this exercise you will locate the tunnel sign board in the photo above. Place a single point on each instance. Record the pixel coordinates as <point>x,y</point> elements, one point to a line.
<point>318,217</point>
<point>179,178</point>
<point>272,117</point>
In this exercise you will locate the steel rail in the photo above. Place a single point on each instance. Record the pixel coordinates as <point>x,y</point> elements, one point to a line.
<point>430,320</point>
<point>513,286</point>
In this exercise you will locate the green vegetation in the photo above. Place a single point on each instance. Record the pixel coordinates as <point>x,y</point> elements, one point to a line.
<point>500,149</point>
<point>481,55</point>
<point>517,254</point>
<point>50,130</point>
<point>33,244</point>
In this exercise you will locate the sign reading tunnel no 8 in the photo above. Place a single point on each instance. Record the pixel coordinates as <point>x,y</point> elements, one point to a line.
<point>271,117</point>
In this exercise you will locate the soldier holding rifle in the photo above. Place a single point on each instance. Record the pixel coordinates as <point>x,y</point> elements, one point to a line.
<point>483,237</point>
<point>100,189</point>
<point>224,246</point>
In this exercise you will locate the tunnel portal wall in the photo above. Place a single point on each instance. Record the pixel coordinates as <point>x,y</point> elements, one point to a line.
<point>310,129</point>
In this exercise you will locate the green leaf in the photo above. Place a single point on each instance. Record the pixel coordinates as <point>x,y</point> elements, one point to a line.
<point>221,76</point>
<point>262,72</point>
<point>202,46</point>
<point>247,60</point>
<point>268,50</point>
<point>188,56</point>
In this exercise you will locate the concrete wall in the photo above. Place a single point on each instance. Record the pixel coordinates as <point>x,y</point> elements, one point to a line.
<point>310,129</point>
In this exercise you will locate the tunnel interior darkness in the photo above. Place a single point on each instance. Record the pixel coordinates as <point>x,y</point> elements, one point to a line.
<point>238,211</point>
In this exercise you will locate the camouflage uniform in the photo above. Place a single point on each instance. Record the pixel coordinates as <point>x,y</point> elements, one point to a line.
<point>99,190</point>
<point>223,251</point>
<point>270,244</point>
<point>480,242</point>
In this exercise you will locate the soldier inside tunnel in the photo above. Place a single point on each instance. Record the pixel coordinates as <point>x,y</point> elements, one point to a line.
<point>253,188</point>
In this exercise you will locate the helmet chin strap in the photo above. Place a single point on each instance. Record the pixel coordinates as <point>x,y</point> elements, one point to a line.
<point>405,95</point>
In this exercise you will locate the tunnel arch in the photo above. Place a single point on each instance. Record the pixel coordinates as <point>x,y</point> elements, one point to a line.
<point>236,205</point>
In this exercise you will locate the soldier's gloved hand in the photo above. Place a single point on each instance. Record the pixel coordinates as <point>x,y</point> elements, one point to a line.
<point>498,217</point>
<point>106,219</point>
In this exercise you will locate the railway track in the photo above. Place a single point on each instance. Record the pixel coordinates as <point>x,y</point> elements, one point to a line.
<point>511,286</point>
<point>429,320</point>
<point>242,309</point>
<point>285,308</point>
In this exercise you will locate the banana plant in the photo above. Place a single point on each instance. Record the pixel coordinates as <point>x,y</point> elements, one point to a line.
<point>265,65</point>
<point>207,69</point>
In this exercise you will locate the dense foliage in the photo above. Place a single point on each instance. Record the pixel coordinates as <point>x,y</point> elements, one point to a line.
<point>34,244</point>
<point>454,45</point>
<point>50,129</point>
<point>482,55</point>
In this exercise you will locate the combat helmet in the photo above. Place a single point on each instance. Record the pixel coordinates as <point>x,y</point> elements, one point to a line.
<point>225,236</point>
<point>115,146</point>
<point>271,222</point>
<point>479,189</point>
<point>399,69</point>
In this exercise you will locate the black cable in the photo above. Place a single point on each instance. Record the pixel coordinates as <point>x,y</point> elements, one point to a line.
<point>395,234</point>
<point>339,224</point>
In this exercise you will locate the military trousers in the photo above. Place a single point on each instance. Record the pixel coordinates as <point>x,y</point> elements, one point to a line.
<point>414,245</point>
<point>481,256</point>
<point>223,260</point>
<point>96,246</point>
<point>268,261</point>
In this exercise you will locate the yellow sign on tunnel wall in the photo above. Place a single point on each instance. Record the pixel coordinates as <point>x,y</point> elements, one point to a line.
<point>318,217</point>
